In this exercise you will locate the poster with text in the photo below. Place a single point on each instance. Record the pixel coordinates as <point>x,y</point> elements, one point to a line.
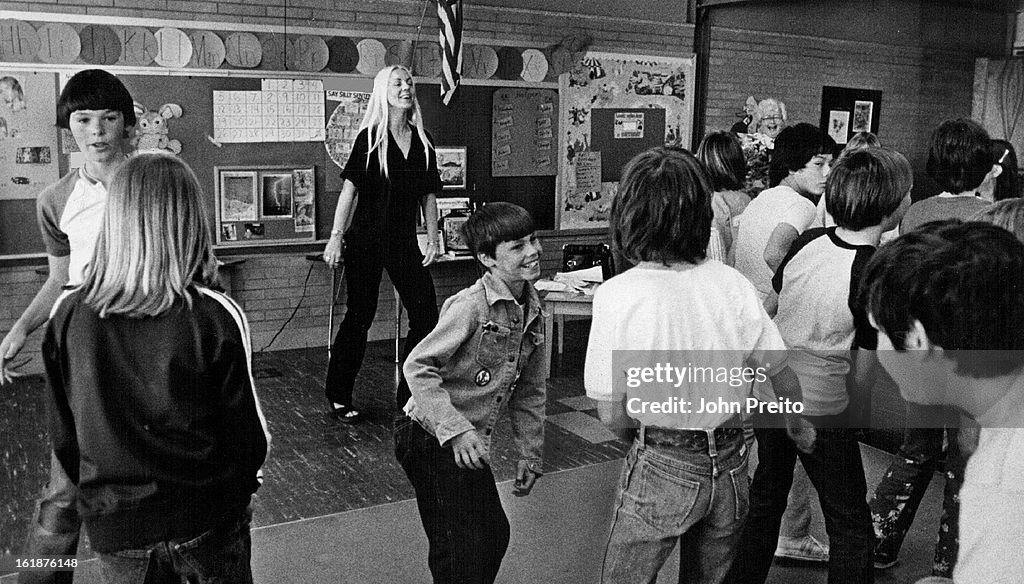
<point>626,90</point>
<point>28,138</point>
<point>523,132</point>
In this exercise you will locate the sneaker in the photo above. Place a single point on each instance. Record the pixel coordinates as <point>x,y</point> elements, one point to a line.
<point>804,549</point>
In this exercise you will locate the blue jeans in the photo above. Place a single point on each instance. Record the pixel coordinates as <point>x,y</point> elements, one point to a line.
<point>466,526</point>
<point>55,526</point>
<point>668,491</point>
<point>218,556</point>
<point>837,472</point>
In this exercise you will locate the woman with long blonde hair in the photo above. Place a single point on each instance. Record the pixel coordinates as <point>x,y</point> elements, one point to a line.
<point>153,411</point>
<point>390,175</point>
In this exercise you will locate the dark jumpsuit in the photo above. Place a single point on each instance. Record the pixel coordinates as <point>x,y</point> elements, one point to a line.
<point>383,236</point>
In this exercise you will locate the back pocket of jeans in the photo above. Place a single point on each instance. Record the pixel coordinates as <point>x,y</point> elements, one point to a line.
<point>660,497</point>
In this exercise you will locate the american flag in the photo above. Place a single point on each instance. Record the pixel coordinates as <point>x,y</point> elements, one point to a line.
<point>449,12</point>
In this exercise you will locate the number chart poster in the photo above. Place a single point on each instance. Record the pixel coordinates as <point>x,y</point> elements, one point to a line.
<point>523,132</point>
<point>28,138</point>
<point>620,85</point>
<point>284,110</point>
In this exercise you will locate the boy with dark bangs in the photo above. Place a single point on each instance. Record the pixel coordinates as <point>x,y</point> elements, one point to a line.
<point>98,110</point>
<point>485,352</point>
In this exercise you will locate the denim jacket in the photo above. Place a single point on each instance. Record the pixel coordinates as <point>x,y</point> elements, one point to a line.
<point>483,353</point>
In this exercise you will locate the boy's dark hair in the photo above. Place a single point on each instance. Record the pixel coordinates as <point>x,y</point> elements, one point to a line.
<point>794,147</point>
<point>495,223</point>
<point>723,158</point>
<point>662,211</point>
<point>959,156</point>
<point>866,186</point>
<point>964,282</point>
<point>94,89</point>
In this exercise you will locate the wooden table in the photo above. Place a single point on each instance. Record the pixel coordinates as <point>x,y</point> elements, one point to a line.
<point>558,305</point>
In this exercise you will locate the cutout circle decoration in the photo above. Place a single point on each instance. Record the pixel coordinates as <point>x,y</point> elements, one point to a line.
<point>199,48</point>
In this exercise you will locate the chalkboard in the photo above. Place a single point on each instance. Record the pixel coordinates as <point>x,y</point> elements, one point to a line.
<point>466,121</point>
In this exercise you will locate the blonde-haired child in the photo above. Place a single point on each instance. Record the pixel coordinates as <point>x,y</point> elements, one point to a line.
<point>153,410</point>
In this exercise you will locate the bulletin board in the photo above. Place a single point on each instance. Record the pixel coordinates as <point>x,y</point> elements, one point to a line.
<point>611,107</point>
<point>264,205</point>
<point>523,124</point>
<point>846,111</point>
<point>466,121</point>
<point>28,138</point>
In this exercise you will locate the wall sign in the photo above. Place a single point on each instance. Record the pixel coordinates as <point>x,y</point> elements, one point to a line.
<point>18,41</point>
<point>138,45</point>
<point>58,43</point>
<point>371,56</point>
<point>243,49</point>
<point>208,51</point>
<point>479,62</point>
<point>308,53</point>
<point>174,48</point>
<point>100,45</point>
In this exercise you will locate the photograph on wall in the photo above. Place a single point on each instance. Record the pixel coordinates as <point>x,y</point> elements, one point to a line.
<point>862,111</point>
<point>304,222</point>
<point>33,155</point>
<point>238,196</point>
<point>253,231</point>
<point>276,194</point>
<point>629,125</point>
<point>228,232</point>
<point>451,163</point>
<point>839,126</point>
<point>451,226</point>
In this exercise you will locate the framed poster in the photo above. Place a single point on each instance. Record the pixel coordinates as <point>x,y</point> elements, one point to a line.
<point>451,226</point>
<point>276,194</point>
<point>237,195</point>
<point>451,163</point>
<point>265,205</point>
<point>846,111</point>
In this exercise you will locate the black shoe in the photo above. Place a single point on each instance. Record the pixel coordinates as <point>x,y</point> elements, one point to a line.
<point>346,414</point>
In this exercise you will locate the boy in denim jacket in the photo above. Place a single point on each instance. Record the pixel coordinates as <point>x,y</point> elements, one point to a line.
<point>486,351</point>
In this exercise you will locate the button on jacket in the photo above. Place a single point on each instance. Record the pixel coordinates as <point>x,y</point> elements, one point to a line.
<point>484,353</point>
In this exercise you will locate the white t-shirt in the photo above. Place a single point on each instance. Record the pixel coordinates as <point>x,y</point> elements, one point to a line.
<point>992,510</point>
<point>708,307</point>
<point>70,214</point>
<point>773,206</point>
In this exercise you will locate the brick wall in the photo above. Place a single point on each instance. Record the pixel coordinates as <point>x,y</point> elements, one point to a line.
<point>924,79</point>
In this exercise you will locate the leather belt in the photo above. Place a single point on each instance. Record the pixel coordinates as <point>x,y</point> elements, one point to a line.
<point>692,439</point>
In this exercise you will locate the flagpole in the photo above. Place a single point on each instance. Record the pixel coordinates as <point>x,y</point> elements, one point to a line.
<point>419,28</point>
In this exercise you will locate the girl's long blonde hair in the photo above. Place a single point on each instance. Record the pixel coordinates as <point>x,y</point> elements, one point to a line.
<point>378,114</point>
<point>155,242</point>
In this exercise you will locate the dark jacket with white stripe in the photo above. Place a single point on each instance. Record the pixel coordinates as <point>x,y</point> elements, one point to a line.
<point>156,419</point>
